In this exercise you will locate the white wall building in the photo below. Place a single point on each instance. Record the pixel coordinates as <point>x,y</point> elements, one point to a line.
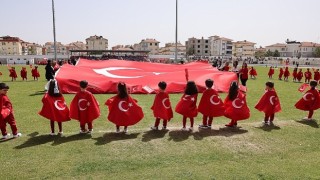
<point>96,43</point>
<point>220,46</point>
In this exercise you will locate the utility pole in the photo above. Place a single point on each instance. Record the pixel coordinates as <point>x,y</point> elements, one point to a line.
<point>176,50</point>
<point>54,32</point>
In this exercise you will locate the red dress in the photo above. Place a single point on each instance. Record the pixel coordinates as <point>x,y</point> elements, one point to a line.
<point>295,74</point>
<point>308,75</point>
<point>271,72</point>
<point>286,72</point>
<point>211,104</point>
<point>124,112</point>
<point>54,108</point>
<point>269,103</point>
<point>13,73</point>
<point>237,109</point>
<point>23,73</point>
<point>84,107</point>
<point>299,75</point>
<point>162,106</point>
<point>281,73</point>
<point>35,72</point>
<point>187,106</point>
<point>253,72</point>
<point>309,101</point>
<point>316,76</point>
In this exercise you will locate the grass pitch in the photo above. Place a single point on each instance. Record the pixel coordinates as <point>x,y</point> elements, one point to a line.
<point>289,150</point>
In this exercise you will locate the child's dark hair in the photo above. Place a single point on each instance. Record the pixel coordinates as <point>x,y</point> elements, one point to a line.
<point>209,83</point>
<point>313,84</point>
<point>162,85</point>
<point>270,84</point>
<point>191,88</point>
<point>83,84</point>
<point>54,89</point>
<point>122,90</point>
<point>233,90</point>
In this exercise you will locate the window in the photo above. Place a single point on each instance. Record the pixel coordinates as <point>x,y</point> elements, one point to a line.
<point>198,41</point>
<point>150,44</point>
<point>206,46</point>
<point>198,46</point>
<point>206,52</point>
<point>198,51</point>
<point>156,44</point>
<point>207,41</point>
<point>3,43</point>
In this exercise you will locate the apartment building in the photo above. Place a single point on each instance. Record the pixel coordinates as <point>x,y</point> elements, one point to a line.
<point>96,43</point>
<point>307,49</point>
<point>170,49</point>
<point>243,49</point>
<point>290,49</point>
<point>10,45</point>
<point>198,47</point>
<point>31,48</point>
<point>61,49</point>
<point>151,45</point>
<point>220,46</point>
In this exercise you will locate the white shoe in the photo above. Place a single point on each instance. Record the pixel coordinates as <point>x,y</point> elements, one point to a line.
<point>306,118</point>
<point>154,128</point>
<point>17,135</point>
<point>90,131</point>
<point>60,133</point>
<point>52,134</point>
<point>190,128</point>
<point>183,129</point>
<point>125,130</point>
<point>82,132</point>
<point>6,136</point>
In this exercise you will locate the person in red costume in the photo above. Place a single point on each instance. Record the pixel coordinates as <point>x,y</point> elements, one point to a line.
<point>307,76</point>
<point>35,73</point>
<point>295,74</point>
<point>316,75</point>
<point>235,105</point>
<point>54,107</point>
<point>7,114</point>
<point>280,73</point>
<point>23,73</point>
<point>269,103</point>
<point>187,106</point>
<point>286,74</point>
<point>123,109</point>
<point>253,73</point>
<point>210,105</point>
<point>13,73</point>
<point>225,67</point>
<point>299,75</point>
<point>244,74</point>
<point>271,72</point>
<point>310,101</point>
<point>84,108</point>
<point>161,107</point>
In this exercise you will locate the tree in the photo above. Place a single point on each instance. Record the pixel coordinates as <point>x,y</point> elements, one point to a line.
<point>269,53</point>
<point>276,53</point>
<point>317,52</point>
<point>190,51</point>
<point>259,54</point>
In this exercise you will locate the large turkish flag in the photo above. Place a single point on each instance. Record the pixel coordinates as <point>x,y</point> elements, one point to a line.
<point>140,77</point>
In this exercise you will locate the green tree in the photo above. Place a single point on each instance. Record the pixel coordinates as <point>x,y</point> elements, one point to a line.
<point>269,53</point>
<point>276,53</point>
<point>259,54</point>
<point>317,52</point>
<point>190,51</point>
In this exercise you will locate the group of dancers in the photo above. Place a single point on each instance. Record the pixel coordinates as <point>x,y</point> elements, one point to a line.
<point>24,73</point>
<point>125,111</point>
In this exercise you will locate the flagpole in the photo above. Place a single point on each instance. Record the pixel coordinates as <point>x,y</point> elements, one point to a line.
<point>54,32</point>
<point>176,50</point>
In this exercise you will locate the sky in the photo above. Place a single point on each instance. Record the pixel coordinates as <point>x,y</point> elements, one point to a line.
<point>126,22</point>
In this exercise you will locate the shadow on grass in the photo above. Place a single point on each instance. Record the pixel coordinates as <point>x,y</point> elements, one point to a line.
<point>202,133</point>
<point>109,137</point>
<point>231,131</point>
<point>268,128</point>
<point>178,135</point>
<point>311,123</point>
<point>75,137</point>
<point>38,93</point>
<point>36,140</point>
<point>152,134</point>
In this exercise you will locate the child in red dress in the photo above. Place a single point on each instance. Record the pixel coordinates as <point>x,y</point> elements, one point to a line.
<point>310,101</point>
<point>161,107</point>
<point>84,108</point>
<point>316,75</point>
<point>286,74</point>
<point>54,107</point>
<point>235,105</point>
<point>280,73</point>
<point>123,109</point>
<point>269,103</point>
<point>295,74</point>
<point>253,73</point>
<point>35,73</point>
<point>7,114</point>
<point>187,106</point>
<point>13,74</point>
<point>23,73</point>
<point>307,76</point>
<point>271,72</point>
<point>299,75</point>
<point>210,105</point>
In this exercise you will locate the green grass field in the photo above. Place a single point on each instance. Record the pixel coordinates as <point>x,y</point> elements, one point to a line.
<point>289,150</point>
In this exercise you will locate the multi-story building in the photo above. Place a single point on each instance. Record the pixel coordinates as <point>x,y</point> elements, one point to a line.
<point>170,49</point>
<point>290,49</point>
<point>243,49</point>
<point>151,45</point>
<point>31,48</point>
<point>10,45</point>
<point>96,43</point>
<point>220,46</point>
<point>307,49</point>
<point>78,45</point>
<point>61,49</point>
<point>198,47</point>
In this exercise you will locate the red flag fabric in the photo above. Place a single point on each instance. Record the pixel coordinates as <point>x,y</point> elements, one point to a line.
<point>54,108</point>
<point>187,106</point>
<point>124,112</point>
<point>211,104</point>
<point>269,103</point>
<point>84,107</point>
<point>309,101</point>
<point>162,106</point>
<point>237,109</point>
<point>103,76</point>
<point>303,87</point>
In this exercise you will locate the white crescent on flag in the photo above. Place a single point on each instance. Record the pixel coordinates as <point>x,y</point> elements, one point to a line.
<point>212,101</point>
<point>58,107</point>
<point>79,104</point>
<point>121,107</point>
<point>234,103</point>
<point>164,104</point>
<point>105,72</point>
